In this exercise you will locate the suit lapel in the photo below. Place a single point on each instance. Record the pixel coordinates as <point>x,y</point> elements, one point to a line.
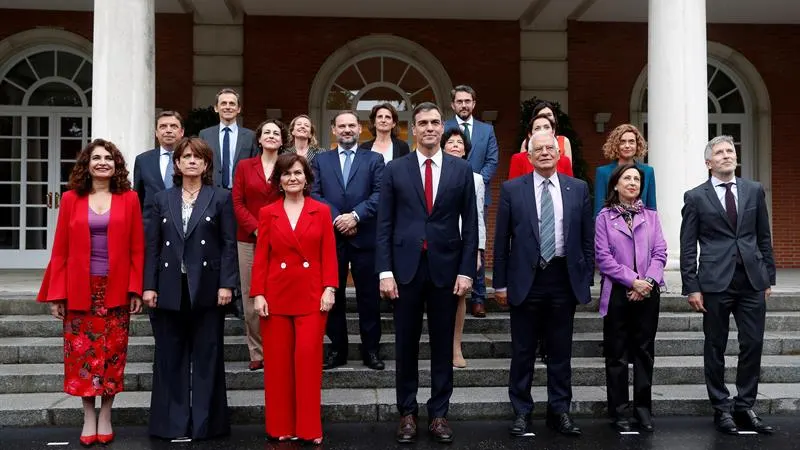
<point>155,165</point>
<point>743,192</point>
<point>283,225</point>
<point>239,143</point>
<point>566,204</point>
<point>200,206</point>
<point>413,172</point>
<point>259,169</point>
<point>174,197</point>
<point>445,178</point>
<point>358,157</point>
<point>711,195</point>
<point>529,196</point>
<point>215,142</point>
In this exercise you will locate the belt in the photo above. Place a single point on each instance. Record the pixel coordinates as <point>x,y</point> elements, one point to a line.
<point>555,260</point>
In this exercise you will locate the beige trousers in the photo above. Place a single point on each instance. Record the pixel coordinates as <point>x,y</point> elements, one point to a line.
<point>251,318</point>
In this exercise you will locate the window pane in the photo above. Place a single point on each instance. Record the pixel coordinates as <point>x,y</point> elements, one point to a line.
<point>371,69</point>
<point>643,106</point>
<point>712,108</point>
<point>10,171</point>
<point>10,94</point>
<point>10,126</point>
<point>339,100</point>
<point>413,81</point>
<point>84,77</point>
<point>44,63</point>
<point>426,95</point>
<point>10,148</point>
<point>71,127</point>
<point>37,148</point>
<point>36,216</point>
<point>732,104</point>
<point>721,84</point>
<point>350,80</point>
<point>66,170</point>
<point>10,194</point>
<point>55,94</point>
<point>38,127</point>
<point>733,129</point>
<point>70,149</point>
<point>9,216</point>
<point>37,194</point>
<point>37,171</point>
<point>393,69</point>
<point>712,131</point>
<point>68,64</point>
<point>379,95</point>
<point>36,240</point>
<point>9,239</point>
<point>22,75</point>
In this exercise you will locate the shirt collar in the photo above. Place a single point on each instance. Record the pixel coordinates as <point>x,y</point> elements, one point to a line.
<point>341,150</point>
<point>437,158</point>
<point>538,180</point>
<point>234,127</point>
<point>164,151</point>
<point>717,182</point>
<point>468,121</point>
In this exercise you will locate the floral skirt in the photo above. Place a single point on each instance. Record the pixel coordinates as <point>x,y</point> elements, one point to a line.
<point>96,346</point>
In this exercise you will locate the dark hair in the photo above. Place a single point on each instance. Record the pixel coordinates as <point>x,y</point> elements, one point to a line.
<point>227,91</point>
<point>541,116</point>
<point>284,163</point>
<point>463,88</point>
<point>341,113</point>
<point>169,113</point>
<point>80,180</point>
<point>542,104</point>
<point>457,132</point>
<point>392,110</point>
<point>201,149</point>
<point>281,127</point>
<point>424,107</point>
<point>612,197</point>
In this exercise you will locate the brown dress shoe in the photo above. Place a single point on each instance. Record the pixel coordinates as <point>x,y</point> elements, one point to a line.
<point>256,365</point>
<point>407,430</point>
<point>478,310</point>
<point>441,431</point>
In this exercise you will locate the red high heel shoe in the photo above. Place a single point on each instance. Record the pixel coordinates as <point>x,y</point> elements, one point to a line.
<point>105,438</point>
<point>88,441</point>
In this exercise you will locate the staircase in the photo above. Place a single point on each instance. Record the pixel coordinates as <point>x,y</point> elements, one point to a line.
<point>31,370</point>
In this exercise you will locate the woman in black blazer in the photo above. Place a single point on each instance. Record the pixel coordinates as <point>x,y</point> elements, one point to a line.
<point>383,121</point>
<point>189,275</point>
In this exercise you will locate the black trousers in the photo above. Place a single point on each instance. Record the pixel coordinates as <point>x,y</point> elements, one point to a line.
<point>749,309</point>
<point>629,333</point>
<point>416,298</point>
<point>189,397</point>
<point>361,263</point>
<point>547,311</point>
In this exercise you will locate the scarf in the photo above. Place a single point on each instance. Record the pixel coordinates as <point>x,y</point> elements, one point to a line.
<point>628,211</point>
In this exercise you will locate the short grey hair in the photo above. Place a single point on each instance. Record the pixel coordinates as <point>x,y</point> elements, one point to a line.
<point>543,133</point>
<point>718,140</point>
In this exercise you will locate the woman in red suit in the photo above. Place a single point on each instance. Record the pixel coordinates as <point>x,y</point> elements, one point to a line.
<point>94,280</point>
<point>252,190</point>
<point>521,162</point>
<point>295,277</point>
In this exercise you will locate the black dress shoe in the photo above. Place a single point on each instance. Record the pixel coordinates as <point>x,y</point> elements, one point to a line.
<point>521,425</point>
<point>643,420</point>
<point>621,424</point>
<point>749,420</point>
<point>724,423</point>
<point>334,360</point>
<point>563,424</point>
<point>372,361</point>
<point>440,430</point>
<point>407,430</point>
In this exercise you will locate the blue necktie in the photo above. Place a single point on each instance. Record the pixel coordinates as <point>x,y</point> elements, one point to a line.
<point>226,158</point>
<point>169,171</point>
<point>547,228</point>
<point>348,161</point>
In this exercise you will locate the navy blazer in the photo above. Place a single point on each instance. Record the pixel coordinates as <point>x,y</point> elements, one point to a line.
<point>399,148</point>
<point>361,194</point>
<point>404,223</point>
<point>516,245</point>
<point>603,174</point>
<point>484,154</point>
<point>147,179</point>
<point>245,148</point>
<point>208,249</point>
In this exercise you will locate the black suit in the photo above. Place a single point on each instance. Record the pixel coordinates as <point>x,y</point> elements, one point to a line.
<point>399,148</point>
<point>147,178</point>
<point>426,252</point>
<point>736,266</point>
<point>189,396</point>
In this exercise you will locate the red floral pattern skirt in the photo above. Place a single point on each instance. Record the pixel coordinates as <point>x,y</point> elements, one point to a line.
<point>96,346</point>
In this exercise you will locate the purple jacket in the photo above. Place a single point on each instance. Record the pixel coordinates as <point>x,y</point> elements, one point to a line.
<point>614,249</point>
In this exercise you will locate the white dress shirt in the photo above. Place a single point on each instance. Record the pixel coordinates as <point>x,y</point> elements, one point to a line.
<point>388,155</point>
<point>558,207</point>
<point>470,122</point>
<point>719,188</point>
<point>233,136</point>
<point>162,161</point>
<point>342,157</point>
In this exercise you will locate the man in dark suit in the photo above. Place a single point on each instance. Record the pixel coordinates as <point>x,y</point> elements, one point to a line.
<point>483,160</point>
<point>349,181</point>
<point>728,217</point>
<point>230,142</point>
<point>424,263</point>
<point>153,169</point>
<point>543,266</point>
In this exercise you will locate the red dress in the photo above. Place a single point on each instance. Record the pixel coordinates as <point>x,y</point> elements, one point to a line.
<point>521,165</point>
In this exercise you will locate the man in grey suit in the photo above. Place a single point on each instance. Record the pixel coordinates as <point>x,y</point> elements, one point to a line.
<point>230,142</point>
<point>728,216</point>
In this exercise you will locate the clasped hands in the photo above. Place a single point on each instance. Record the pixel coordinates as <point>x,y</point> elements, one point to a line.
<point>640,290</point>
<point>345,224</point>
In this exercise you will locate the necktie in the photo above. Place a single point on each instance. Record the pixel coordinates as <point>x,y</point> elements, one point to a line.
<point>169,171</point>
<point>547,227</point>
<point>348,161</point>
<point>226,158</point>
<point>730,205</point>
<point>429,185</point>
<point>468,138</point>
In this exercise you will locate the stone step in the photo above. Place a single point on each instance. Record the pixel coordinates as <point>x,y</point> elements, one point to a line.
<point>30,378</point>
<point>378,405</point>
<point>25,303</point>
<point>38,350</point>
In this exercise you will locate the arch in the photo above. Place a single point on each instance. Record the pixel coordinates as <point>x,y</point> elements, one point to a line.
<point>371,47</point>
<point>756,97</point>
<point>24,42</point>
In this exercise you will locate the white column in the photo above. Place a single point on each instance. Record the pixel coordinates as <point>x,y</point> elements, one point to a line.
<point>123,75</point>
<point>677,111</point>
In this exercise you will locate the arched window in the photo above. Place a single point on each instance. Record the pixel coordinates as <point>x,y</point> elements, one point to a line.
<point>48,78</point>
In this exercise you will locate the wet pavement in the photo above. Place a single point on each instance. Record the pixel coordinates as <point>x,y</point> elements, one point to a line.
<point>672,433</point>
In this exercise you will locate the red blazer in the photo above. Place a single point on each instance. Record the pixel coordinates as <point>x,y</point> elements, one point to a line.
<point>521,165</point>
<point>251,192</point>
<point>292,267</point>
<point>67,276</point>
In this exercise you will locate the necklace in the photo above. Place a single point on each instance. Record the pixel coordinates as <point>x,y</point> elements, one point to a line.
<point>192,193</point>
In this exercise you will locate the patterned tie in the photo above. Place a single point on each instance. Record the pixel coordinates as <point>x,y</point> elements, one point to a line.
<point>226,158</point>
<point>730,205</point>
<point>169,171</point>
<point>348,161</point>
<point>467,137</point>
<point>547,227</point>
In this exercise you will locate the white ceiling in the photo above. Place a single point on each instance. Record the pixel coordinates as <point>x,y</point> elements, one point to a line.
<point>717,11</point>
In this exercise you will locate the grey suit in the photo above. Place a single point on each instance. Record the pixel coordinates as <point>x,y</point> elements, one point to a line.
<point>735,267</point>
<point>245,148</point>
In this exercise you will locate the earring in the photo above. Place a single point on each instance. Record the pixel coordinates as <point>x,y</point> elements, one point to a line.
<point>615,189</point>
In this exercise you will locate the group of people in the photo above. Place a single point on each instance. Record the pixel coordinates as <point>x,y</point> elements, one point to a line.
<point>269,216</point>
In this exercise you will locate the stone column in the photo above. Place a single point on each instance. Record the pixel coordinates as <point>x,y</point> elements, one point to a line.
<point>123,75</point>
<point>677,111</point>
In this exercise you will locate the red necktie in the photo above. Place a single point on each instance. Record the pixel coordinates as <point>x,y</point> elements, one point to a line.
<point>429,185</point>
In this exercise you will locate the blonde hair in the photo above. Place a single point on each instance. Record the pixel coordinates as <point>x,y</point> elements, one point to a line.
<point>312,140</point>
<point>611,147</point>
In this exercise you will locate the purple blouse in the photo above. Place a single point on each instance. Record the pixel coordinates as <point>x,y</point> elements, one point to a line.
<point>98,231</point>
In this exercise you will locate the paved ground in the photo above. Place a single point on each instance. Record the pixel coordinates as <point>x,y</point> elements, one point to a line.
<point>672,433</point>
